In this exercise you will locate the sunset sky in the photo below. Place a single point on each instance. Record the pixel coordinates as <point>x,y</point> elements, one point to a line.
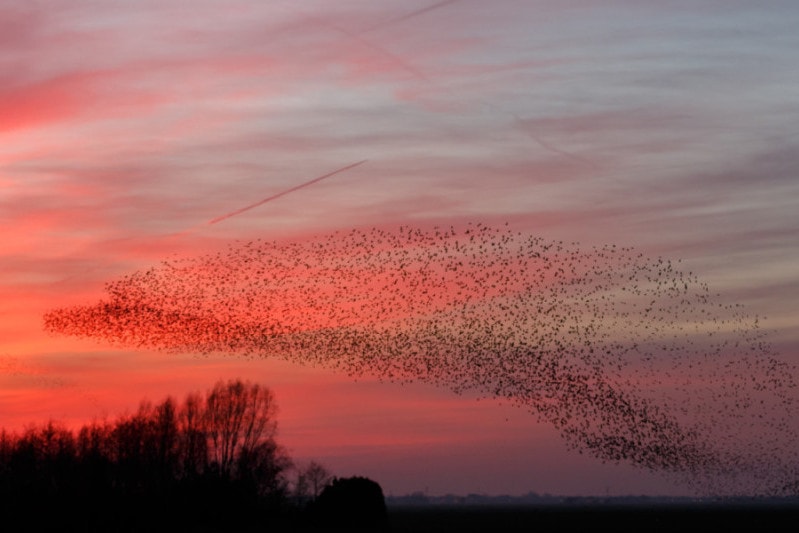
<point>126,127</point>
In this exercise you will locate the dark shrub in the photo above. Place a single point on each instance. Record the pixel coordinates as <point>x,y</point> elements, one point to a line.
<point>351,503</point>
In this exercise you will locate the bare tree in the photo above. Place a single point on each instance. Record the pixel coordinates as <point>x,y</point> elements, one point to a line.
<point>165,440</point>
<point>311,481</point>
<point>194,444</point>
<point>318,478</point>
<point>239,417</point>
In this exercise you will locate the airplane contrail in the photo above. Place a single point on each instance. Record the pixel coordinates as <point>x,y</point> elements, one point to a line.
<point>283,193</point>
<point>412,14</point>
<point>232,214</point>
<point>548,146</point>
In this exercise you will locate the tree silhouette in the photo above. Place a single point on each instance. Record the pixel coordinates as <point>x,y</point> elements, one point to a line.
<point>318,478</point>
<point>310,481</point>
<point>191,432</point>
<point>208,463</point>
<point>240,423</point>
<point>211,461</point>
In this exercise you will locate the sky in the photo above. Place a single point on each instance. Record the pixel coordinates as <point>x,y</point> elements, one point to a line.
<point>127,128</point>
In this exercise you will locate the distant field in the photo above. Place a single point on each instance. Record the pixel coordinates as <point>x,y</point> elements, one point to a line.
<point>593,518</point>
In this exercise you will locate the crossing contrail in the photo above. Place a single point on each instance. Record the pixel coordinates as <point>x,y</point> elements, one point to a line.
<point>412,14</point>
<point>287,191</point>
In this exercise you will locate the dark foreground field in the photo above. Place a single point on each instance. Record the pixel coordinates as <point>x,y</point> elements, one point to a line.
<point>461,519</point>
<point>646,519</point>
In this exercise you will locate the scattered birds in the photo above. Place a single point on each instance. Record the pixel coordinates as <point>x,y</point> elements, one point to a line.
<point>630,358</point>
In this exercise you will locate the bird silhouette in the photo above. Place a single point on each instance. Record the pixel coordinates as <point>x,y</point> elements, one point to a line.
<point>630,358</point>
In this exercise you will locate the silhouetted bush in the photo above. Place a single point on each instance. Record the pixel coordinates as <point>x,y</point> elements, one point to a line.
<point>351,503</point>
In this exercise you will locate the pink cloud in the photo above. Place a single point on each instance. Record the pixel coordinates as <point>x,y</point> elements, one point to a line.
<point>48,101</point>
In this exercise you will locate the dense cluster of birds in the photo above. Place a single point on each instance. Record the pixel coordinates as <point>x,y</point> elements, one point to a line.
<point>630,358</point>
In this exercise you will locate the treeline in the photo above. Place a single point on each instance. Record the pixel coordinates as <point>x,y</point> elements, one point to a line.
<point>207,463</point>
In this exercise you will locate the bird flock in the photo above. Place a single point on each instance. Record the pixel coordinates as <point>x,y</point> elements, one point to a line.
<point>628,357</point>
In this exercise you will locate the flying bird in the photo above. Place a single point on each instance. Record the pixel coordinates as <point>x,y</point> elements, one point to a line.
<point>630,358</point>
